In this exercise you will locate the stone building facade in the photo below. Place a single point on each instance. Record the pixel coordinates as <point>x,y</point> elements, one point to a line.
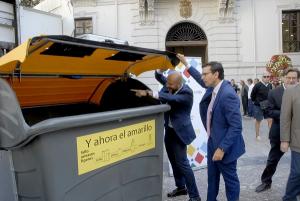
<point>242,34</point>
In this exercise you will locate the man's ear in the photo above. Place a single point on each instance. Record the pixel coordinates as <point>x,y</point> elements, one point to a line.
<point>216,74</point>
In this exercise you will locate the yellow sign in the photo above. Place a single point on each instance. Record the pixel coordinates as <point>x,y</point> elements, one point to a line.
<point>100,149</point>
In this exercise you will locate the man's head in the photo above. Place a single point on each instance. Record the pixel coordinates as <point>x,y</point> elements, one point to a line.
<point>291,76</point>
<point>266,77</point>
<point>256,80</point>
<point>249,81</point>
<point>212,73</point>
<point>174,81</point>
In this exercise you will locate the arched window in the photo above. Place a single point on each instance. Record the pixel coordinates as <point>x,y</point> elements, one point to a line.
<point>186,32</point>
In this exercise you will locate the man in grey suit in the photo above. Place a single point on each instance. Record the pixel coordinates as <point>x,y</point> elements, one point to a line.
<point>290,137</point>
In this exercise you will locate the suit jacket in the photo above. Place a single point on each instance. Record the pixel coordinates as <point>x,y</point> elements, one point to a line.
<point>180,114</point>
<point>273,111</point>
<point>290,118</point>
<point>260,92</point>
<point>226,122</point>
<point>244,91</point>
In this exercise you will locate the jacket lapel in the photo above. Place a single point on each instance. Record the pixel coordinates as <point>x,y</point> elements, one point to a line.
<point>207,94</point>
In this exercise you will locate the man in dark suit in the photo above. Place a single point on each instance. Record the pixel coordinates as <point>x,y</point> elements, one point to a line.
<point>221,116</point>
<point>179,131</point>
<point>273,111</point>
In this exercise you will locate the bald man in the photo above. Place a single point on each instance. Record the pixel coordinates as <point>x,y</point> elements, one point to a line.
<point>179,131</point>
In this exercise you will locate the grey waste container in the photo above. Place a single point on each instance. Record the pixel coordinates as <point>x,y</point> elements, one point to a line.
<point>107,156</point>
<point>71,129</point>
<point>7,185</point>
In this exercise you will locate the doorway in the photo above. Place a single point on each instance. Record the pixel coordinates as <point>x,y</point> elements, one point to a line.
<point>189,39</point>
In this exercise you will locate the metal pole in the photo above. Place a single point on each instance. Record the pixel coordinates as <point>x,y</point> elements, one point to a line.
<point>17,23</point>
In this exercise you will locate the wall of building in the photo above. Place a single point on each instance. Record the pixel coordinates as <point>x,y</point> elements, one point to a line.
<point>7,32</point>
<point>35,23</point>
<point>260,33</point>
<point>244,43</point>
<point>222,35</point>
<point>62,8</point>
<point>110,18</point>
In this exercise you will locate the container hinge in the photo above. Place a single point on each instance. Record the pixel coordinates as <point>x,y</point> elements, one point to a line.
<point>125,76</point>
<point>17,71</point>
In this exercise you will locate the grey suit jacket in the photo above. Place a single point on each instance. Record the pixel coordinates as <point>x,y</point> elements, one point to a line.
<point>290,118</point>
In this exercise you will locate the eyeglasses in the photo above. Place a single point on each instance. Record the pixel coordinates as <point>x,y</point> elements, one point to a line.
<point>266,76</point>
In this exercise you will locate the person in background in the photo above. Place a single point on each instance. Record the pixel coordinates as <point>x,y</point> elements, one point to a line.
<point>256,80</point>
<point>275,82</point>
<point>234,85</point>
<point>259,96</point>
<point>290,137</point>
<point>221,116</point>
<point>289,78</point>
<point>250,103</point>
<point>179,131</point>
<point>244,97</point>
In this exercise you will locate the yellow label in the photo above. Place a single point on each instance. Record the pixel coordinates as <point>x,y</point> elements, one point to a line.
<point>100,149</point>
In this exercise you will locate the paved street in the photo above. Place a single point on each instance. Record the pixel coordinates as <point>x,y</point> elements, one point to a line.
<point>250,167</point>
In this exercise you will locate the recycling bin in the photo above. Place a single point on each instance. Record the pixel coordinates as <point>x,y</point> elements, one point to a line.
<point>71,129</point>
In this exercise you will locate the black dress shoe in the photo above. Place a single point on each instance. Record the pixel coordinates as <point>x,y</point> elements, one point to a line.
<point>177,192</point>
<point>262,187</point>
<point>195,199</point>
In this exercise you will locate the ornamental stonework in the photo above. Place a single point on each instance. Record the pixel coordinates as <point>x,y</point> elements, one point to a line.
<point>185,8</point>
<point>146,11</point>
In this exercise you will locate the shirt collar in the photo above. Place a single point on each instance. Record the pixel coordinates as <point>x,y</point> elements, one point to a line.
<point>266,84</point>
<point>178,89</point>
<point>217,88</point>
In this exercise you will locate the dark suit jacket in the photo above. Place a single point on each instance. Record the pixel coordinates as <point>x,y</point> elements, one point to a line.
<point>180,114</point>
<point>260,93</point>
<point>226,123</point>
<point>273,111</point>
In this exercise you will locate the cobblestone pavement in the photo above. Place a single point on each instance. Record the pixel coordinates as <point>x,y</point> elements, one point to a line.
<point>250,167</point>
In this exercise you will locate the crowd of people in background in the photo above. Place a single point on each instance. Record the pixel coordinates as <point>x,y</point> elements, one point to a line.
<point>254,98</point>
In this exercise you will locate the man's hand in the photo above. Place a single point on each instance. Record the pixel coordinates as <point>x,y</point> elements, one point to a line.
<point>284,146</point>
<point>182,59</point>
<point>139,92</point>
<point>218,155</point>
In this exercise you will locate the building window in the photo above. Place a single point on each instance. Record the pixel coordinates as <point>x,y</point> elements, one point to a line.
<point>291,31</point>
<point>83,26</point>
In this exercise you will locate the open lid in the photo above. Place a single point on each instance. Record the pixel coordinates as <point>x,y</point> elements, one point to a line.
<point>64,55</point>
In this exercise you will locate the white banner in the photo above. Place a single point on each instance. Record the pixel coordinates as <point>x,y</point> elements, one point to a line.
<point>197,150</point>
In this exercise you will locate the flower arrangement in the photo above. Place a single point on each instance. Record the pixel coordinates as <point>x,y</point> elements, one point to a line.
<point>277,64</point>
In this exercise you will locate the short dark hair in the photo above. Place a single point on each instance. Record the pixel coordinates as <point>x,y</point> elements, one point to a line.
<point>215,67</point>
<point>288,70</point>
<point>250,80</point>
